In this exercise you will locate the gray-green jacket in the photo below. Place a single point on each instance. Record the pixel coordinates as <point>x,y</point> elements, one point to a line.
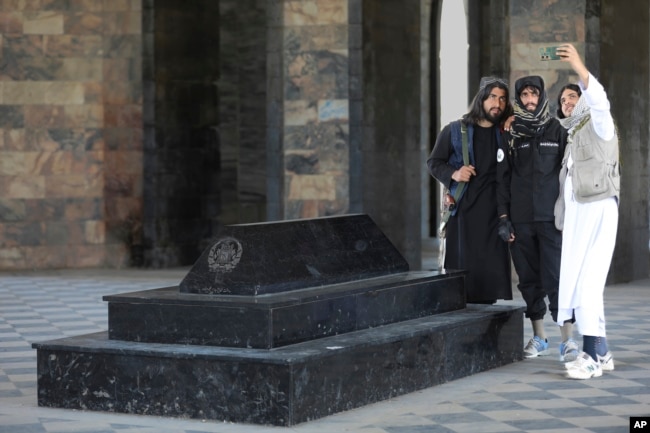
<point>595,171</point>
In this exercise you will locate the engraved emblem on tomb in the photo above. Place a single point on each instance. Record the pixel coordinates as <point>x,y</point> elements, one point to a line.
<point>224,255</point>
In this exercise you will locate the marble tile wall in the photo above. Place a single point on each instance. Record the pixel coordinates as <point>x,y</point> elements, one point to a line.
<point>285,115</point>
<point>71,135</point>
<point>540,23</point>
<point>316,108</point>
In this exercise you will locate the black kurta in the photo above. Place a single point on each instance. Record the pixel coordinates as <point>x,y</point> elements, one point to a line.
<point>472,240</point>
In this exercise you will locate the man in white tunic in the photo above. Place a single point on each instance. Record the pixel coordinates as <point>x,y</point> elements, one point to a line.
<point>587,212</point>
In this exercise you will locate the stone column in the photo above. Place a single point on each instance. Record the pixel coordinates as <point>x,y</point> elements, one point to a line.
<point>308,134</point>
<point>394,117</point>
<point>345,113</point>
<point>626,76</point>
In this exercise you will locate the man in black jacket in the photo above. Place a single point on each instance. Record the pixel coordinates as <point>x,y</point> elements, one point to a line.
<point>527,188</point>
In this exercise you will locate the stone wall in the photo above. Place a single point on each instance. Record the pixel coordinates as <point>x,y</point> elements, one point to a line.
<point>71,138</point>
<point>309,158</point>
<point>132,130</point>
<point>533,24</point>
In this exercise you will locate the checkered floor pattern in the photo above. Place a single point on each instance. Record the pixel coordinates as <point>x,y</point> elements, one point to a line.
<point>528,396</point>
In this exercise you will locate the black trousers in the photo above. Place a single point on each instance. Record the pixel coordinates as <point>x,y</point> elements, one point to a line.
<point>536,255</point>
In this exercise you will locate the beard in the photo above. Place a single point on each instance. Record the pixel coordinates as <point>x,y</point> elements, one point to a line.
<point>493,117</point>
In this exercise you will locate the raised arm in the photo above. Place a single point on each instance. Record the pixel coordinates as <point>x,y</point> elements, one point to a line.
<point>593,92</point>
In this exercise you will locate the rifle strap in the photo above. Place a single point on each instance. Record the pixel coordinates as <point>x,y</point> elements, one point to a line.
<point>461,185</point>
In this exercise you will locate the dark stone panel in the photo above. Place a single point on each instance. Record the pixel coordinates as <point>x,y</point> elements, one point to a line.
<point>625,76</point>
<point>310,320</point>
<point>42,69</point>
<point>12,117</point>
<point>25,233</point>
<point>284,386</point>
<point>169,316</point>
<point>122,46</point>
<point>391,64</point>
<point>563,29</point>
<point>182,159</point>
<point>59,233</point>
<point>173,385</point>
<point>176,208</point>
<point>67,138</point>
<point>255,259</point>
<point>204,325</point>
<point>376,372</point>
<point>22,46</point>
<point>403,301</point>
<point>13,210</point>
<point>535,10</point>
<point>301,163</point>
<point>322,137</point>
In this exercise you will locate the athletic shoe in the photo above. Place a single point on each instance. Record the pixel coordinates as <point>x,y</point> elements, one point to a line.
<point>606,362</point>
<point>584,367</point>
<point>568,350</point>
<point>536,347</point>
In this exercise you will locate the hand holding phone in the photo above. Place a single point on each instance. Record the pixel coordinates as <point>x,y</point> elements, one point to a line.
<point>548,53</point>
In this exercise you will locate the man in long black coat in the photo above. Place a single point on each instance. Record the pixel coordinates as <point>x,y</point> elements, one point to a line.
<point>472,240</point>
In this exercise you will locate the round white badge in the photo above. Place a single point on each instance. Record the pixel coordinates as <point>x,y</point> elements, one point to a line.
<point>500,155</point>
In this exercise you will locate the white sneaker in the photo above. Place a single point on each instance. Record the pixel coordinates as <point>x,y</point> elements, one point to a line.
<point>536,347</point>
<point>584,367</point>
<point>569,350</point>
<point>606,361</point>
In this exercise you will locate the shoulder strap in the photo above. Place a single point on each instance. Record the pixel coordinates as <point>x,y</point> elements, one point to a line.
<point>461,185</point>
<point>463,131</point>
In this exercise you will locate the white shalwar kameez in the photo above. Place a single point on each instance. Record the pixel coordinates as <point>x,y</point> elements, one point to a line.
<point>588,237</point>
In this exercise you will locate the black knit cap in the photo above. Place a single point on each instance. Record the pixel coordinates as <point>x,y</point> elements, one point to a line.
<point>531,80</point>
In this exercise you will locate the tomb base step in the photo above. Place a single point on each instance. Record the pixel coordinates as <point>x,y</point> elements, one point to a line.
<point>169,316</point>
<point>282,386</point>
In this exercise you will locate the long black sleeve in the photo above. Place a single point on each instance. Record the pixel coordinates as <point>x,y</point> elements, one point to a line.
<point>437,162</point>
<point>503,176</point>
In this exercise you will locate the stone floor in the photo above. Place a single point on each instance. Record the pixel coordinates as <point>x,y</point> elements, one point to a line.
<point>528,396</point>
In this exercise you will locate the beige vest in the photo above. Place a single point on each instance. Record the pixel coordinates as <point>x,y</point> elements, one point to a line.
<point>595,171</point>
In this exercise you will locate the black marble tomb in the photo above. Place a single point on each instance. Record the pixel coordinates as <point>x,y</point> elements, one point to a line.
<point>281,323</point>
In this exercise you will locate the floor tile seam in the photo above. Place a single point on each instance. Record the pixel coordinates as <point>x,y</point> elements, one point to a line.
<point>598,420</point>
<point>484,426</point>
<point>9,357</point>
<point>11,344</point>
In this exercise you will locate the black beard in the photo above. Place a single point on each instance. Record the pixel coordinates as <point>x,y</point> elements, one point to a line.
<point>494,119</point>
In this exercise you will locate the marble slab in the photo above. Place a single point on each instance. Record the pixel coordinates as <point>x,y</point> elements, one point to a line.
<point>167,315</point>
<point>273,257</point>
<point>285,386</point>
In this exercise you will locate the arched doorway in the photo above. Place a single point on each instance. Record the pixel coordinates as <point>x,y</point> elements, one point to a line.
<point>448,66</point>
